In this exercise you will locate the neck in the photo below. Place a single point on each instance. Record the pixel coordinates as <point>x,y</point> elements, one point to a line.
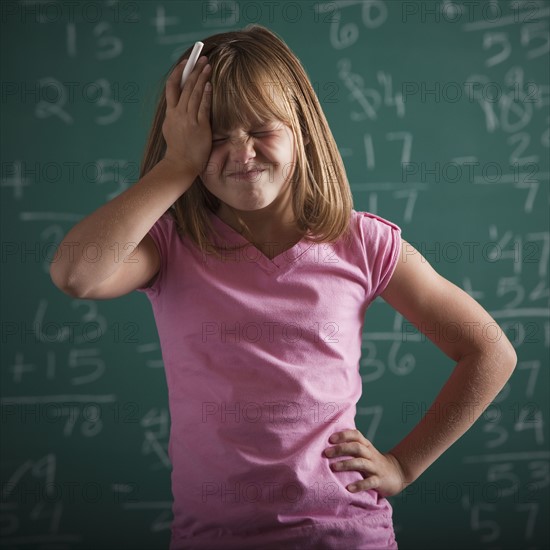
<point>273,229</point>
<point>270,224</point>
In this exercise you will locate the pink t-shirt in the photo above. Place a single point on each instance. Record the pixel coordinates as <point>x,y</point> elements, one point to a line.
<point>262,366</point>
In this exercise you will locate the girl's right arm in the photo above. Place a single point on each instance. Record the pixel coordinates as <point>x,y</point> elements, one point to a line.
<point>91,261</point>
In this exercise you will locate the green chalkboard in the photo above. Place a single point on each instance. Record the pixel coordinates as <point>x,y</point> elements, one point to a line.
<point>441,113</point>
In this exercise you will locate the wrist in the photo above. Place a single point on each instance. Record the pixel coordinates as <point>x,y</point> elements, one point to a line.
<point>406,477</point>
<point>180,167</point>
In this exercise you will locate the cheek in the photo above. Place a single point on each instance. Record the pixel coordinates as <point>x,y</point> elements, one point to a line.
<point>272,152</point>
<point>216,154</point>
<point>213,166</point>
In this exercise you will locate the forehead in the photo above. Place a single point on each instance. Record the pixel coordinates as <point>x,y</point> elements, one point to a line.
<point>247,124</point>
<point>249,107</point>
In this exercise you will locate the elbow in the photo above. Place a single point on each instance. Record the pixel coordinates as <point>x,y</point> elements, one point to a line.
<point>65,282</point>
<point>508,361</point>
<point>507,352</point>
<point>511,356</point>
<point>500,353</point>
<point>504,355</point>
<point>72,292</point>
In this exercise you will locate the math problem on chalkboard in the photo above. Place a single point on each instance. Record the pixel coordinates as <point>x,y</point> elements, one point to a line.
<point>441,112</point>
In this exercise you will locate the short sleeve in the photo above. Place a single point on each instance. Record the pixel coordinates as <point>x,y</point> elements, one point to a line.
<point>381,240</point>
<point>162,233</point>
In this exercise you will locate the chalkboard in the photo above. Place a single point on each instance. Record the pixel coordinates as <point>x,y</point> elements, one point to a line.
<point>441,113</point>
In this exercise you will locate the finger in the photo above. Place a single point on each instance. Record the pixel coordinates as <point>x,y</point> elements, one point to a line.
<point>371,482</point>
<point>353,448</point>
<point>349,435</point>
<point>206,103</point>
<point>356,464</point>
<point>344,435</point>
<point>189,85</point>
<point>173,91</point>
<point>198,92</point>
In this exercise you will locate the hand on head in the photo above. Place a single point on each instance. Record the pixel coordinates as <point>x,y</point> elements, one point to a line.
<point>186,128</point>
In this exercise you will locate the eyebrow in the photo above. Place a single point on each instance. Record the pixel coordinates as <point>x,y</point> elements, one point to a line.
<point>256,126</point>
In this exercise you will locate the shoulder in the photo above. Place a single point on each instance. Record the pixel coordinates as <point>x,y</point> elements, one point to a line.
<point>373,231</point>
<point>374,250</point>
<point>367,221</point>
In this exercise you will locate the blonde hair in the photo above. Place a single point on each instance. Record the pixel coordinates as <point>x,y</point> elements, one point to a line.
<point>241,61</point>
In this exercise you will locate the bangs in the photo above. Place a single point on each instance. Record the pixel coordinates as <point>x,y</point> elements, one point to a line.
<point>246,93</point>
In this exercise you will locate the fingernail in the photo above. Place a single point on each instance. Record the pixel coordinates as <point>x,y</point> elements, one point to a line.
<point>352,487</point>
<point>333,438</point>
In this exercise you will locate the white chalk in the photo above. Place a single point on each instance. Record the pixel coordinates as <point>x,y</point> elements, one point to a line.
<point>191,62</point>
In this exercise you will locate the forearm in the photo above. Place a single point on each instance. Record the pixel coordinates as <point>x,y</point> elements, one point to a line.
<point>474,383</point>
<point>94,248</point>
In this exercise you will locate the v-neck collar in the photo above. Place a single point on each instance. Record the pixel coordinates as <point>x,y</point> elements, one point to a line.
<point>253,255</point>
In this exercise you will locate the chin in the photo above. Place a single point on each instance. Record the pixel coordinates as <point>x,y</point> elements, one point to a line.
<point>251,205</point>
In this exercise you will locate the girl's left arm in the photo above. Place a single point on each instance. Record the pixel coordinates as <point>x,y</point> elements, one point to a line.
<point>485,357</point>
<point>485,361</point>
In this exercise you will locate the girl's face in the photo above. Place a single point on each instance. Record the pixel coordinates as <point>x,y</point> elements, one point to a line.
<point>249,168</point>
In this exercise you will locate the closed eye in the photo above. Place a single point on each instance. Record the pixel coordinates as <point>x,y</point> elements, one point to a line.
<point>256,134</point>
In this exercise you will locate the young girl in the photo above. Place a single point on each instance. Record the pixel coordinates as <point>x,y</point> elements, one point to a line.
<point>259,272</point>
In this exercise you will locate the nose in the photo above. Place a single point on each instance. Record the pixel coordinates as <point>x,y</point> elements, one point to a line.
<point>241,149</point>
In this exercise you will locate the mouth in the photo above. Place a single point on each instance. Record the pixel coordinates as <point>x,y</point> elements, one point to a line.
<point>250,175</point>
